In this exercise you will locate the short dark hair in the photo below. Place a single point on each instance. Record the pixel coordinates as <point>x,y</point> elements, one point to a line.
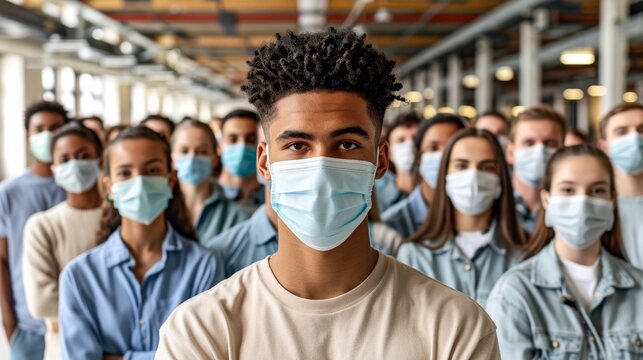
<point>45,106</point>
<point>539,113</point>
<point>332,60</point>
<point>457,120</point>
<point>617,110</point>
<point>77,128</point>
<point>494,113</point>
<point>406,120</point>
<point>239,113</point>
<point>96,118</point>
<point>162,118</point>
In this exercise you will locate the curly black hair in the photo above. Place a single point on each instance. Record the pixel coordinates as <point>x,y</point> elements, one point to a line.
<point>334,60</point>
<point>45,106</point>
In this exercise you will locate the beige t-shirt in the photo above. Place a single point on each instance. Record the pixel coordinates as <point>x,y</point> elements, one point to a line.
<point>52,239</point>
<point>396,313</point>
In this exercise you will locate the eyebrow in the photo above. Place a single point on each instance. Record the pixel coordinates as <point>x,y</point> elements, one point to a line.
<point>592,184</point>
<point>290,134</point>
<point>149,162</point>
<point>353,130</point>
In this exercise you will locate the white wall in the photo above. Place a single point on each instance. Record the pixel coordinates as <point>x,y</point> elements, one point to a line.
<point>13,148</point>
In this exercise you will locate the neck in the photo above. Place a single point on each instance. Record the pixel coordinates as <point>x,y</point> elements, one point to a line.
<point>405,182</point>
<point>90,199</point>
<point>313,274</point>
<point>140,238</point>
<point>247,185</point>
<point>41,169</point>
<point>427,192</point>
<point>194,194</point>
<point>628,185</point>
<point>580,256</point>
<point>529,194</point>
<point>480,222</point>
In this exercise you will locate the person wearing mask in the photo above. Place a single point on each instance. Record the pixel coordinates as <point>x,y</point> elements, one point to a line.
<point>535,135</point>
<point>322,114</point>
<point>161,124</point>
<point>622,140</point>
<point>401,179</point>
<point>215,125</point>
<point>575,297</point>
<point>575,137</point>
<point>112,133</point>
<point>407,216</point>
<point>114,298</point>
<point>94,123</point>
<point>472,235</point>
<point>194,155</point>
<point>496,123</point>
<point>21,197</point>
<point>54,237</point>
<point>238,151</point>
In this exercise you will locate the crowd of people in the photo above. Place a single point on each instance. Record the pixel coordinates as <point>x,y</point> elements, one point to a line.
<point>309,228</point>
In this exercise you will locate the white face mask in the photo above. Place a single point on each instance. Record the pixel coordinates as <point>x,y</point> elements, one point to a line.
<point>430,167</point>
<point>77,176</point>
<point>403,156</point>
<point>531,162</point>
<point>472,192</point>
<point>579,220</point>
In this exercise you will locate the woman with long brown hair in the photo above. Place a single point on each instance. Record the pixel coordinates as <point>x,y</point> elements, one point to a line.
<point>471,236</point>
<point>575,297</point>
<point>115,297</point>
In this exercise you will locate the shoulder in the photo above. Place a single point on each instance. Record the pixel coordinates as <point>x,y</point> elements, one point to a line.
<point>515,283</point>
<point>395,211</point>
<point>239,230</point>
<point>195,250</point>
<point>83,267</point>
<point>412,252</point>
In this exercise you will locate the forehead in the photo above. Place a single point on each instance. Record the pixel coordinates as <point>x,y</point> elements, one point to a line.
<point>490,120</point>
<point>544,128</point>
<point>440,132</point>
<point>580,169</point>
<point>317,112</point>
<point>236,123</point>
<point>136,151</point>
<point>46,116</point>
<point>475,148</point>
<point>626,118</point>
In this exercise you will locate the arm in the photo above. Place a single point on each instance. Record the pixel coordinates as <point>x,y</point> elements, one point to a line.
<point>6,293</point>
<point>79,336</point>
<point>514,330</point>
<point>40,271</point>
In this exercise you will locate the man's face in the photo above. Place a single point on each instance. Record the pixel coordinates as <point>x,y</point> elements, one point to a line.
<point>239,131</point>
<point>534,132</point>
<point>160,127</point>
<point>329,124</point>
<point>493,124</point>
<point>623,124</point>
<point>44,121</point>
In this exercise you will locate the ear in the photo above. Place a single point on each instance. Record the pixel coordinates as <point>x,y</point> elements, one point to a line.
<point>509,153</point>
<point>544,200</point>
<point>219,149</point>
<point>382,159</point>
<point>107,185</point>
<point>262,161</point>
<point>215,160</point>
<point>172,179</point>
<point>602,144</point>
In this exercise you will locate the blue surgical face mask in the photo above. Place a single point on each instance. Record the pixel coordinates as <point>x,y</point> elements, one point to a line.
<point>579,220</point>
<point>240,160</point>
<point>627,153</point>
<point>531,162</point>
<point>322,200</point>
<point>40,145</point>
<point>77,176</point>
<point>194,169</point>
<point>430,167</point>
<point>142,198</point>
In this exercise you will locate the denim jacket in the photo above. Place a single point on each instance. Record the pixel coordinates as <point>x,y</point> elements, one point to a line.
<point>475,277</point>
<point>538,317</point>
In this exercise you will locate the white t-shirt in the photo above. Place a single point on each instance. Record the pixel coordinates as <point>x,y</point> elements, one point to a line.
<point>470,241</point>
<point>52,239</point>
<point>395,313</point>
<point>631,216</point>
<point>582,280</point>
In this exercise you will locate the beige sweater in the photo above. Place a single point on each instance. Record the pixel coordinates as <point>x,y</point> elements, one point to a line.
<point>396,313</point>
<point>51,240</point>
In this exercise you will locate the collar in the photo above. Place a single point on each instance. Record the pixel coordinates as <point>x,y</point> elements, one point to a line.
<point>417,205</point>
<point>547,271</point>
<point>456,253</point>
<point>261,230</point>
<point>118,253</point>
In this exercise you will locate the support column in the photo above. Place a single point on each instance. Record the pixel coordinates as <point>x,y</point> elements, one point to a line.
<point>612,67</point>
<point>13,144</point>
<point>530,72</point>
<point>582,114</point>
<point>420,84</point>
<point>436,84</point>
<point>484,94</point>
<point>454,82</point>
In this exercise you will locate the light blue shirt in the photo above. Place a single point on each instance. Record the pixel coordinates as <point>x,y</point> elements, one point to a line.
<point>630,211</point>
<point>525,216</point>
<point>218,214</point>
<point>387,192</point>
<point>475,277</point>
<point>406,216</point>
<point>527,307</point>
<point>105,310</point>
<point>247,242</point>
<point>20,198</point>
<point>233,194</point>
